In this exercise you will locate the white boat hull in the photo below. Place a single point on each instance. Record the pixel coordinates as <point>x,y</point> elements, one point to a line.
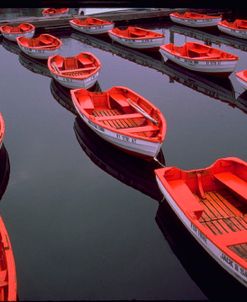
<point>233,32</point>
<point>196,23</point>
<point>77,83</point>
<point>242,83</point>
<point>93,29</point>
<point>138,43</point>
<point>12,37</point>
<point>38,53</point>
<point>226,262</point>
<point>138,146</point>
<point>212,66</point>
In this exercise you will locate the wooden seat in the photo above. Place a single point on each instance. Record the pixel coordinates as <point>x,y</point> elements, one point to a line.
<point>118,117</point>
<point>120,99</point>
<point>233,238</point>
<point>233,182</point>
<point>141,129</point>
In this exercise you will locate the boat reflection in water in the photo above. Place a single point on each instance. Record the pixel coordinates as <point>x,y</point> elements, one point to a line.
<point>242,101</point>
<point>213,281</point>
<point>11,46</point>
<point>214,87</point>
<point>34,65</point>
<point>131,171</point>
<point>209,38</point>
<point>62,94</point>
<point>4,170</point>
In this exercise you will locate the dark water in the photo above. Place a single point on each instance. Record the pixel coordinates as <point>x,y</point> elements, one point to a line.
<point>84,219</point>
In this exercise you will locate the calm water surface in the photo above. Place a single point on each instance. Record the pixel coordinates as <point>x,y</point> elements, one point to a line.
<point>83,218</point>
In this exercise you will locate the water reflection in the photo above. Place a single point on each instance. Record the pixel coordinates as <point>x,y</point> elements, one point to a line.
<point>131,171</point>
<point>214,87</point>
<point>11,46</point>
<point>34,65</point>
<point>213,281</point>
<point>62,94</point>
<point>4,170</point>
<point>208,37</point>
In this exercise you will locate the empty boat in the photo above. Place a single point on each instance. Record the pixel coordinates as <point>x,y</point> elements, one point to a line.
<point>91,25</point>
<point>79,71</point>
<point>54,11</point>
<point>237,28</point>
<point>212,205</point>
<point>137,37</point>
<point>199,57</point>
<point>11,32</point>
<point>123,118</point>
<point>40,47</point>
<point>194,19</point>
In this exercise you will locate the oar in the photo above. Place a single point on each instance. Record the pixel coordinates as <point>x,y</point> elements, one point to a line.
<point>143,112</point>
<point>55,67</point>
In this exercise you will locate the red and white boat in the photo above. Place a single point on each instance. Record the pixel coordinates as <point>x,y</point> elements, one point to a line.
<point>80,71</point>
<point>91,25</point>
<point>8,283</point>
<point>194,19</point>
<point>211,203</point>
<point>238,28</point>
<point>242,78</point>
<point>41,47</point>
<point>11,32</point>
<point>137,37</point>
<point>199,57</point>
<point>2,129</point>
<point>55,11</point>
<point>123,118</point>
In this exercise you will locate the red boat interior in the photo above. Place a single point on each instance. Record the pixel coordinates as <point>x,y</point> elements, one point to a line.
<point>192,15</point>
<point>200,51</point>
<point>136,32</point>
<point>114,109</point>
<point>81,64</point>
<point>237,24</point>
<point>24,27</point>
<point>43,41</point>
<point>90,21</point>
<point>217,198</point>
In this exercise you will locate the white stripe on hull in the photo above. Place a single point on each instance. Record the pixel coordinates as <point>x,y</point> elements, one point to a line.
<point>39,53</point>
<point>142,147</point>
<point>196,23</point>
<point>233,32</point>
<point>242,82</point>
<point>93,29</point>
<point>12,37</point>
<point>231,266</point>
<point>140,44</point>
<point>212,66</point>
<point>74,83</point>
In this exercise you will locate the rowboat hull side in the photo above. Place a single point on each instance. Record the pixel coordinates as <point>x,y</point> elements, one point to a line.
<point>233,32</point>
<point>138,43</point>
<point>242,82</point>
<point>38,53</point>
<point>93,29</point>
<point>12,37</point>
<point>139,147</point>
<point>224,260</point>
<point>77,83</point>
<point>212,66</point>
<point>196,22</point>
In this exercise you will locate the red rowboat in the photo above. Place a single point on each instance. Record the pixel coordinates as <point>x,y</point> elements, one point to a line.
<point>81,70</point>
<point>238,28</point>
<point>11,32</point>
<point>199,57</point>
<point>91,25</point>
<point>123,118</point>
<point>137,37</point>
<point>41,47</point>
<point>242,78</point>
<point>211,203</point>
<point>2,130</point>
<point>194,19</point>
<point>54,11</point>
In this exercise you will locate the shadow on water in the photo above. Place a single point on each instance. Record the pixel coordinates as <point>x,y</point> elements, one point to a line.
<point>132,171</point>
<point>11,46</point>
<point>4,170</point>
<point>213,281</point>
<point>219,88</point>
<point>62,95</point>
